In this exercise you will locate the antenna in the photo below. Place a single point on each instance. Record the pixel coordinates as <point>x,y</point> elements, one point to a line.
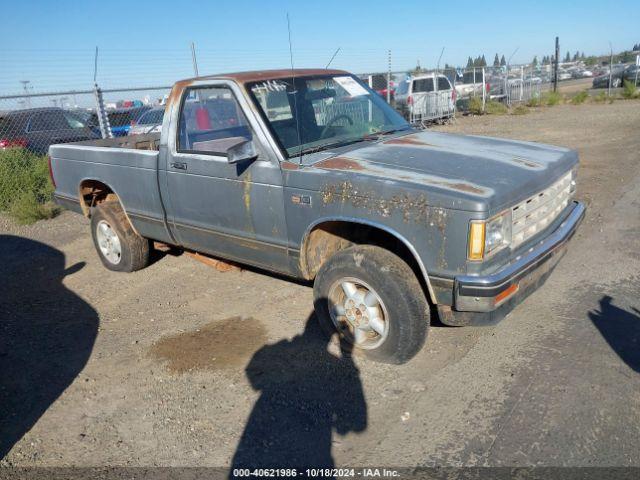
<point>295,92</point>
<point>334,56</point>
<point>439,58</point>
<point>193,59</point>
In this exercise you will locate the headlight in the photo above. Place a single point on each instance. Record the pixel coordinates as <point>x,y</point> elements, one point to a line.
<point>487,237</point>
<point>574,180</point>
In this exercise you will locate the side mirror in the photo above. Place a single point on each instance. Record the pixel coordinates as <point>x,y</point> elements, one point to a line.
<point>242,151</point>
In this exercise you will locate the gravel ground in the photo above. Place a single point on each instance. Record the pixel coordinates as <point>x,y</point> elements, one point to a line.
<point>183,365</point>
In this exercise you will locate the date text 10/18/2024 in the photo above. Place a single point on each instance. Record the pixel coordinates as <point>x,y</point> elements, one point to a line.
<point>316,472</point>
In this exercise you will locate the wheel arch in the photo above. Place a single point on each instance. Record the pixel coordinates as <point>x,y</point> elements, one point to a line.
<point>94,191</point>
<point>335,240</point>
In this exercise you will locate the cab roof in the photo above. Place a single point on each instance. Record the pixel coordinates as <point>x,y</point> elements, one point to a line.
<point>257,75</point>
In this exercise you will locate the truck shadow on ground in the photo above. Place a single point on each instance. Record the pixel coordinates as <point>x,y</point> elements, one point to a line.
<point>306,394</point>
<point>47,334</point>
<point>621,330</point>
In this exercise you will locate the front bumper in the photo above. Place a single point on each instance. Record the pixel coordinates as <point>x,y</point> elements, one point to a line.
<point>503,289</point>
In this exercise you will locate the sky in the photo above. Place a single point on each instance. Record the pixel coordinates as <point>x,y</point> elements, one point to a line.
<point>147,43</point>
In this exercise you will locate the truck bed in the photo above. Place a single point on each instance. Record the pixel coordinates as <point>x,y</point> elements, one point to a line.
<point>126,165</point>
<point>150,141</point>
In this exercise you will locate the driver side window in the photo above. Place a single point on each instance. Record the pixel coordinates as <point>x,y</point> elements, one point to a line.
<point>211,121</point>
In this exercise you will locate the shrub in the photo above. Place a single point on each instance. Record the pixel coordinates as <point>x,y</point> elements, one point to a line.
<point>534,102</point>
<point>580,97</point>
<point>629,90</point>
<point>25,187</point>
<point>600,98</point>
<point>520,110</point>
<point>495,108</point>
<point>552,98</point>
<point>475,106</point>
<point>26,209</point>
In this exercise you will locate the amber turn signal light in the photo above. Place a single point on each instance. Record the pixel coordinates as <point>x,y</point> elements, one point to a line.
<point>476,240</point>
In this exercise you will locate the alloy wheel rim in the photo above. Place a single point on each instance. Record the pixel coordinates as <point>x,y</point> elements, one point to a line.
<point>108,242</point>
<point>358,313</point>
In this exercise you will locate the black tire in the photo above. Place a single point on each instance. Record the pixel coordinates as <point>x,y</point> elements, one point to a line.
<point>134,249</point>
<point>396,285</point>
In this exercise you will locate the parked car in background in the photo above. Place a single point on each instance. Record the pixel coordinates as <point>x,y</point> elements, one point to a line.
<point>149,122</point>
<point>631,72</point>
<point>120,119</point>
<point>469,84</point>
<point>617,75</point>
<point>378,82</point>
<point>562,76</point>
<point>37,128</point>
<point>426,96</point>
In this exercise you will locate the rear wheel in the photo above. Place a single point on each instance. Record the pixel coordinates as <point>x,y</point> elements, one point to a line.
<point>373,300</point>
<point>119,247</point>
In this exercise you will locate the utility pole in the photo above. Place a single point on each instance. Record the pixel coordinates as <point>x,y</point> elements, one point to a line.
<point>193,58</point>
<point>506,77</point>
<point>610,69</point>
<point>555,65</point>
<point>101,112</point>
<point>25,86</point>
<point>389,76</point>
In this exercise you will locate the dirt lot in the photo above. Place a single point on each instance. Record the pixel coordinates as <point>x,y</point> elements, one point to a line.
<point>170,365</point>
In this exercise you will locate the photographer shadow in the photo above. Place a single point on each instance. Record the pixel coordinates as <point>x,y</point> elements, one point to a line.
<point>306,394</point>
<point>621,330</point>
<point>47,334</point>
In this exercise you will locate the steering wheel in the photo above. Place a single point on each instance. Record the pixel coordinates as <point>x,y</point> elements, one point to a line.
<point>330,123</point>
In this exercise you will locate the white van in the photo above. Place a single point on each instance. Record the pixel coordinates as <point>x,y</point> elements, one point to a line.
<point>426,97</point>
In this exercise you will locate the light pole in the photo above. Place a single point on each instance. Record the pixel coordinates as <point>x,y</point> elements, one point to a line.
<point>25,86</point>
<point>610,69</point>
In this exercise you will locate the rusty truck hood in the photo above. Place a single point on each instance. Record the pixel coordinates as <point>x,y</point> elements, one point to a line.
<point>475,173</point>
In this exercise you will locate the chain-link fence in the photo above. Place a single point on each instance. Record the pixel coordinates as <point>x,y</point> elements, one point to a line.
<point>36,121</point>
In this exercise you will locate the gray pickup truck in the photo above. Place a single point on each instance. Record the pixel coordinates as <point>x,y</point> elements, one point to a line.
<point>310,174</point>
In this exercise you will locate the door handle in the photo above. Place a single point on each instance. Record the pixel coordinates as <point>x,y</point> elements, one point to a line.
<point>179,165</point>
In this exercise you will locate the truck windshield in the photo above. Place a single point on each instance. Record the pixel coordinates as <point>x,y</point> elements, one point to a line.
<point>321,112</point>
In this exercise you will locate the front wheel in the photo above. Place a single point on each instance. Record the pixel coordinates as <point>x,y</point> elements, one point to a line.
<point>119,247</point>
<point>374,301</point>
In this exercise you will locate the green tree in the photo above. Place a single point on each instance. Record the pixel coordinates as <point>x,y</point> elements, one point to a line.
<point>503,62</point>
<point>469,63</point>
<point>535,61</point>
<point>567,57</point>
<point>626,57</point>
<point>496,61</point>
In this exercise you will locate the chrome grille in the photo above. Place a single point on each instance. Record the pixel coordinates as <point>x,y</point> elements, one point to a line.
<point>537,212</point>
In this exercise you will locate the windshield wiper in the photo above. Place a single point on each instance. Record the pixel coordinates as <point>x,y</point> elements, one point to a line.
<point>343,143</point>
